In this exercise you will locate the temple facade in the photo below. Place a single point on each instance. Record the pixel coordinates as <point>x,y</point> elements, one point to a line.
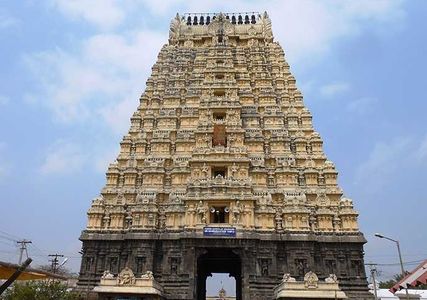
<point>222,171</point>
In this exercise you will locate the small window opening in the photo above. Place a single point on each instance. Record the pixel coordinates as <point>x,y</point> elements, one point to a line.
<point>240,20</point>
<point>208,20</point>
<point>219,93</point>
<point>219,116</point>
<point>202,20</point>
<point>188,20</point>
<point>219,76</point>
<point>219,172</point>
<point>233,20</point>
<point>219,214</point>
<point>219,62</point>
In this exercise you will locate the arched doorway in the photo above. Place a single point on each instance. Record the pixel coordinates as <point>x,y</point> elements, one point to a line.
<point>218,261</point>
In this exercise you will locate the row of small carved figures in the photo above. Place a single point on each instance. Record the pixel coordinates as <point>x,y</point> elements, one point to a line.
<point>246,19</point>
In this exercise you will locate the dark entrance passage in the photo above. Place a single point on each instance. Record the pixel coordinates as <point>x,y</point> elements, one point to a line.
<point>218,261</point>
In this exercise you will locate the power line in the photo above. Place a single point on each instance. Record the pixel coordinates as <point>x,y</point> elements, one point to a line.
<point>7,238</point>
<point>9,252</point>
<point>11,235</point>
<point>68,254</point>
<point>38,250</point>
<point>7,243</point>
<point>393,255</point>
<point>398,264</point>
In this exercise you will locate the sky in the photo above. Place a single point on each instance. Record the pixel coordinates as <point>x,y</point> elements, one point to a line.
<point>72,71</point>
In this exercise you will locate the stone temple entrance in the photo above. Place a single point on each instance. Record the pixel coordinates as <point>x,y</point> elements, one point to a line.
<point>218,261</point>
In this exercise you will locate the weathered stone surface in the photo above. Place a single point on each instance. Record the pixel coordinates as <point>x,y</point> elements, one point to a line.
<point>221,138</point>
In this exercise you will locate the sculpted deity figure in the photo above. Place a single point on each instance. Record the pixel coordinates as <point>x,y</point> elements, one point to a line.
<point>139,198</point>
<point>147,276</point>
<point>291,161</point>
<point>174,28</point>
<point>106,220</point>
<point>332,279</point>
<point>269,198</point>
<point>232,138</point>
<point>311,280</point>
<point>172,197</point>
<point>279,220</point>
<point>234,170</point>
<point>312,221</point>
<point>201,211</point>
<point>205,170</point>
<point>237,210</point>
<point>207,139</point>
<point>126,277</point>
<point>262,202</point>
<point>107,275</point>
<point>288,278</point>
<point>200,141</point>
<point>120,199</point>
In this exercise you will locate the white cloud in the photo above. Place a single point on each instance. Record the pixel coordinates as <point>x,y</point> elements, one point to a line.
<point>102,13</point>
<point>107,76</point>
<point>307,28</point>
<point>7,21</point>
<point>421,152</point>
<point>384,159</point>
<point>362,105</point>
<point>63,157</point>
<point>3,164</point>
<point>66,156</point>
<point>4,100</point>
<point>333,89</point>
<point>104,158</point>
<point>389,157</point>
<point>104,78</point>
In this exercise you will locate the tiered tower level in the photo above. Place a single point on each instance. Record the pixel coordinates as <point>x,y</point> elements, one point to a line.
<point>222,139</point>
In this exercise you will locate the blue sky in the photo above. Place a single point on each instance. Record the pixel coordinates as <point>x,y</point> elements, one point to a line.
<point>72,72</point>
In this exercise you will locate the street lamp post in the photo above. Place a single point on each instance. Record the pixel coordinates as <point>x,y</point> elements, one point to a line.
<point>400,257</point>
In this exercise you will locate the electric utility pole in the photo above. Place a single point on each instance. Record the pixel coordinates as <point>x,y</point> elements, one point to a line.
<point>22,248</point>
<point>373,268</point>
<point>54,261</point>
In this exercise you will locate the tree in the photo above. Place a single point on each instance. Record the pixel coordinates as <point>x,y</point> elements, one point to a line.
<point>39,290</point>
<point>60,271</point>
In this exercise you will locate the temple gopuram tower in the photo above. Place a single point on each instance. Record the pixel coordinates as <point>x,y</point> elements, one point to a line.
<point>222,172</point>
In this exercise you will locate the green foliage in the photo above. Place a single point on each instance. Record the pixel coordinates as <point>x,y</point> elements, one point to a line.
<point>387,284</point>
<point>61,270</point>
<point>39,290</point>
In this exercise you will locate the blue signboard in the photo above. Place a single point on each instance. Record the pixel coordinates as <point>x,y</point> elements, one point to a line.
<point>219,231</point>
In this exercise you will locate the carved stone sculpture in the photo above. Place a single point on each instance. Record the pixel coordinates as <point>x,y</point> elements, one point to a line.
<point>222,126</point>
<point>126,277</point>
